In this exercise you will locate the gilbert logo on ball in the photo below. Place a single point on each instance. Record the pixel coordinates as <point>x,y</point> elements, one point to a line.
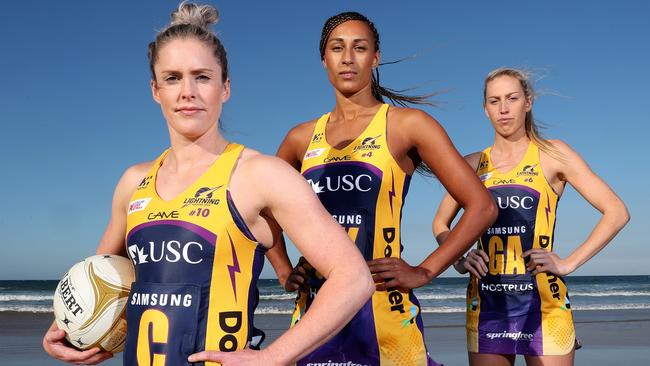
<point>90,302</point>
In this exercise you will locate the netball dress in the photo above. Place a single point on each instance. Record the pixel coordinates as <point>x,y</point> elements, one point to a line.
<point>196,268</point>
<point>509,311</point>
<point>363,188</point>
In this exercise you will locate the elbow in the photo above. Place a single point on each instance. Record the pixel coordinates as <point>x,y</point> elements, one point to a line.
<point>618,214</point>
<point>489,211</point>
<point>365,283</point>
<point>623,216</point>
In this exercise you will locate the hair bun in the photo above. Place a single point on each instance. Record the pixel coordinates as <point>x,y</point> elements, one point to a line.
<point>199,15</point>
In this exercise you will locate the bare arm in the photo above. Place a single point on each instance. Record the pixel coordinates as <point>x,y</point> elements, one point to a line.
<point>432,144</point>
<point>112,242</point>
<point>447,211</point>
<point>291,150</point>
<point>574,170</point>
<point>325,245</point>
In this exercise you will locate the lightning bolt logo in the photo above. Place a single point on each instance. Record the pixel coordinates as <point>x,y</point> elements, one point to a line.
<point>391,193</point>
<point>547,208</point>
<point>234,268</point>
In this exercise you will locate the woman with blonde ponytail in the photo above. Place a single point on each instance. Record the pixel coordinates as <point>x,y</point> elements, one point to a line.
<point>197,220</point>
<point>517,300</point>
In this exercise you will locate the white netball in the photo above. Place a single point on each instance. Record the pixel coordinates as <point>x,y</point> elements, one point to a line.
<point>90,302</point>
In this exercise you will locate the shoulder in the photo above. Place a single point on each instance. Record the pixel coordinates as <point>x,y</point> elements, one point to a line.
<point>410,116</point>
<point>473,159</point>
<point>412,122</point>
<point>301,132</point>
<point>565,153</point>
<point>129,182</point>
<point>134,174</point>
<point>561,146</point>
<point>255,163</point>
<point>296,142</point>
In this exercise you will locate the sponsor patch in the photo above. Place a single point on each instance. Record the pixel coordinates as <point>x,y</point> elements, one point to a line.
<point>313,153</point>
<point>484,177</point>
<point>138,205</point>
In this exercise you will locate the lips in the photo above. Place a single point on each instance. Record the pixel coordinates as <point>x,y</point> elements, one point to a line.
<point>347,74</point>
<point>188,111</point>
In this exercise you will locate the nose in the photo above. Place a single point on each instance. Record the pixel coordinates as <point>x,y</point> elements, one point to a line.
<point>188,91</point>
<point>348,55</point>
<point>503,107</point>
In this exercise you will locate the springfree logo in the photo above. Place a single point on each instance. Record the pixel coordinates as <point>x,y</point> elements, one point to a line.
<point>202,197</point>
<point>515,336</point>
<point>330,363</point>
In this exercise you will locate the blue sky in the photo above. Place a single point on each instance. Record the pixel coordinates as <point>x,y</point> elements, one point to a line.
<point>76,108</point>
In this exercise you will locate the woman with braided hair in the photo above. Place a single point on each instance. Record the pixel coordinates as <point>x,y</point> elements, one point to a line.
<point>359,159</point>
<point>210,252</point>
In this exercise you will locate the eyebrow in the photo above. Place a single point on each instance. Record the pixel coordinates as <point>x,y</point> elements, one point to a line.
<point>507,95</point>
<point>193,72</point>
<point>341,40</point>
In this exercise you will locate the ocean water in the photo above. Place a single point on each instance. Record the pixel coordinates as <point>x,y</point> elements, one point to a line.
<point>443,295</point>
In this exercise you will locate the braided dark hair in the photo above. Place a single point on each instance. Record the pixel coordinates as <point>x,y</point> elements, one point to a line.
<point>191,21</point>
<point>379,92</point>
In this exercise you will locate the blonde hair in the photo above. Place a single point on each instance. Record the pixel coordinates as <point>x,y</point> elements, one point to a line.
<point>532,129</point>
<point>191,20</point>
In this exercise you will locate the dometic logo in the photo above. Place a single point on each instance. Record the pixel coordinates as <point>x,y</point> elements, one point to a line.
<point>368,143</point>
<point>169,251</point>
<point>395,297</point>
<point>506,287</point>
<point>313,153</point>
<point>202,197</point>
<point>162,215</point>
<point>515,202</point>
<point>517,336</point>
<point>553,286</point>
<point>528,170</point>
<point>144,183</point>
<point>138,205</point>
<point>347,183</point>
<point>230,323</point>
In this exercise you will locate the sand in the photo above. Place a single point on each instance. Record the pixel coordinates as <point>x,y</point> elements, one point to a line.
<point>609,337</point>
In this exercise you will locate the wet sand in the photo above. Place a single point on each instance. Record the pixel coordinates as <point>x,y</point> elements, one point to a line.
<point>608,337</point>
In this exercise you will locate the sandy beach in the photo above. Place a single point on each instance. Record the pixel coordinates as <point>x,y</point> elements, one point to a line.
<point>608,336</point>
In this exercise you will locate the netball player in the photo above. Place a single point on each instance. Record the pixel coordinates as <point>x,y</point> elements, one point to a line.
<point>359,159</point>
<point>517,300</point>
<point>197,220</point>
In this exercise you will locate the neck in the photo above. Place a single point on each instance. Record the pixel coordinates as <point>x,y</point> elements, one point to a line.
<point>512,143</point>
<point>349,106</point>
<point>187,153</point>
